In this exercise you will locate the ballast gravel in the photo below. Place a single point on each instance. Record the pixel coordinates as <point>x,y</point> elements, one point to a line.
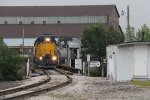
<point>31,80</point>
<point>85,88</point>
<point>94,88</point>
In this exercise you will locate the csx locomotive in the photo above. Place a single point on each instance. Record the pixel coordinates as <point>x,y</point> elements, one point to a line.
<point>46,51</point>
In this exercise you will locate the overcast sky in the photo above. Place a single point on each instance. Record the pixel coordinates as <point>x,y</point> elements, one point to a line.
<point>139,9</point>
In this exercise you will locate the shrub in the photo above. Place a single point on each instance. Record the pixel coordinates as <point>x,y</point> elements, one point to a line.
<point>9,63</point>
<point>97,71</point>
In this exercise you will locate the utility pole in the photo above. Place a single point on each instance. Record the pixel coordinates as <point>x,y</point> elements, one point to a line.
<point>22,52</point>
<point>128,24</point>
<point>59,24</point>
<point>128,19</point>
<point>129,34</point>
<point>23,43</point>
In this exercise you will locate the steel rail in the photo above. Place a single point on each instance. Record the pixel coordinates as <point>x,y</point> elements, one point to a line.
<point>64,71</point>
<point>21,88</point>
<point>42,90</point>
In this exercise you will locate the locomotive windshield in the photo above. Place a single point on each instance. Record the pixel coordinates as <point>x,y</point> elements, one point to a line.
<point>45,37</point>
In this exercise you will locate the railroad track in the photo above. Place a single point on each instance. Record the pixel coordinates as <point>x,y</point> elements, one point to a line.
<point>31,92</point>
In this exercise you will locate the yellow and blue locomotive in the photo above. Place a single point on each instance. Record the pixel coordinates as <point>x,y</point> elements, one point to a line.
<point>46,51</point>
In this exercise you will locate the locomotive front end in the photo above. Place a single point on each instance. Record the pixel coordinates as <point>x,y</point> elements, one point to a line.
<point>46,53</point>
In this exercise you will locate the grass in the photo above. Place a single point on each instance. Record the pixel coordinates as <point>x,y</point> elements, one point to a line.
<point>62,96</point>
<point>65,96</point>
<point>141,83</point>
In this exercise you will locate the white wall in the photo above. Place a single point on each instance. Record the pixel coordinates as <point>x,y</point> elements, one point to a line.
<point>19,41</point>
<point>140,61</point>
<point>148,60</point>
<point>130,61</point>
<point>111,61</point>
<point>125,63</point>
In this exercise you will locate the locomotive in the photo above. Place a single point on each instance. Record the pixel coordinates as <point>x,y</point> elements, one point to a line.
<point>46,51</point>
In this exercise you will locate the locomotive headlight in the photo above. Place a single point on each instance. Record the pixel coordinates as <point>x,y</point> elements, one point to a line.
<point>47,39</point>
<point>41,58</point>
<point>54,58</point>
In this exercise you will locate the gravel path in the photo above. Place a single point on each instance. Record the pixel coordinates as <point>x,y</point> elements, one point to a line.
<point>6,85</point>
<point>29,80</point>
<point>93,88</point>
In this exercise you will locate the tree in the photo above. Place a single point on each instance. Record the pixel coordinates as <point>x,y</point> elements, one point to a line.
<point>146,31</point>
<point>113,36</point>
<point>129,35</point>
<point>95,39</point>
<point>9,63</point>
<point>1,42</point>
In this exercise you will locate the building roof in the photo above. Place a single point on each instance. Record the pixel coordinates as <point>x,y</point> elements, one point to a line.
<point>37,11</point>
<point>135,43</point>
<point>131,43</point>
<point>33,31</point>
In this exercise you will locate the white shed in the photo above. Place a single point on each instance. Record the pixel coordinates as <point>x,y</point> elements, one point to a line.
<point>128,60</point>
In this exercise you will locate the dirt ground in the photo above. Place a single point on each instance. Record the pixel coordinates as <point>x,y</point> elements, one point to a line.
<point>95,88</point>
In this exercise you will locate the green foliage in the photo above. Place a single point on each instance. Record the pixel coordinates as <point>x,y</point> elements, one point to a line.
<point>97,71</point>
<point>146,31</point>
<point>65,96</point>
<point>2,42</point>
<point>9,61</point>
<point>141,83</point>
<point>113,37</point>
<point>129,35</point>
<point>95,39</point>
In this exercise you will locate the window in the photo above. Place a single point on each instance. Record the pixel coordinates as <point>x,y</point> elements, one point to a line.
<point>58,22</point>
<point>5,22</point>
<point>44,22</point>
<point>20,22</point>
<point>32,22</point>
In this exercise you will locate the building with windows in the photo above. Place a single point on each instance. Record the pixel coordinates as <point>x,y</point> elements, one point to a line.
<point>68,21</point>
<point>61,21</point>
